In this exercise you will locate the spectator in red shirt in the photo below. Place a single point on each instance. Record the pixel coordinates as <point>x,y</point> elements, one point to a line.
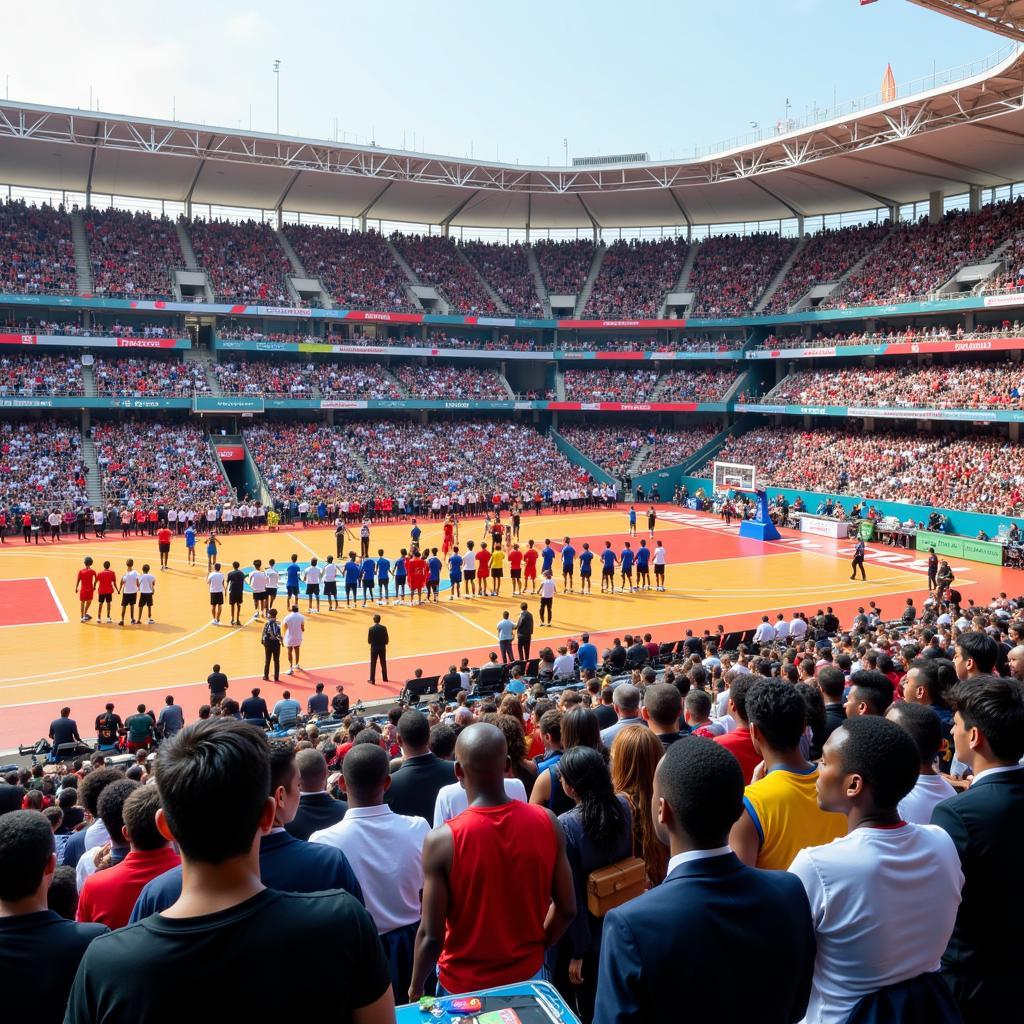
<point>109,895</point>
<point>738,742</point>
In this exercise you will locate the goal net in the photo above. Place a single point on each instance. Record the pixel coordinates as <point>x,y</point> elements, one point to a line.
<point>733,476</point>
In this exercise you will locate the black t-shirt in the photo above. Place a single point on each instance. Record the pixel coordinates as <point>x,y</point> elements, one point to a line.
<point>236,581</point>
<point>135,975</point>
<point>217,682</point>
<point>39,954</point>
<point>340,703</point>
<point>107,727</point>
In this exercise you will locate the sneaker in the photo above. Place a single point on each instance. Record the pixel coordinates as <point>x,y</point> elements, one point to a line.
<point>291,671</point>
<point>109,619</point>
<point>82,619</point>
<point>150,622</point>
<point>88,618</point>
<point>121,623</point>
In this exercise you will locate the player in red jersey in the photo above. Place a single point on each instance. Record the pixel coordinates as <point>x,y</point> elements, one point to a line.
<point>448,541</point>
<point>416,568</point>
<point>85,585</point>
<point>140,522</point>
<point>515,569</point>
<point>530,556</point>
<point>483,569</point>
<point>106,587</point>
<point>163,541</point>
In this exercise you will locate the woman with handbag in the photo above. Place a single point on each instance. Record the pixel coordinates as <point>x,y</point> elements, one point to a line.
<point>599,846</point>
<point>635,755</point>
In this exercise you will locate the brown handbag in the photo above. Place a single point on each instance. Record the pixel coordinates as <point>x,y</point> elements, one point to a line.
<point>618,883</point>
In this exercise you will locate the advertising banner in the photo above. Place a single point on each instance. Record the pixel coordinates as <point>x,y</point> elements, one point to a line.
<point>79,341</point>
<point>947,546</point>
<point>231,453</point>
<point>227,403</point>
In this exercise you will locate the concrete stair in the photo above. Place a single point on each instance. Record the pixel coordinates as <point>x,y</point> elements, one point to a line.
<point>853,268</point>
<point>93,482</point>
<point>559,384</point>
<point>637,461</point>
<point>187,252</point>
<point>200,355</point>
<point>407,270</point>
<point>88,381</point>
<point>293,259</point>
<point>80,241</point>
<point>499,303</point>
<point>509,390</point>
<point>588,286</point>
<point>538,281</point>
<point>780,276</point>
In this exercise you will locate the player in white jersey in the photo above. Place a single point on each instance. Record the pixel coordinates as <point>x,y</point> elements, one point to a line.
<point>659,566</point>
<point>331,583</point>
<point>312,577</point>
<point>215,581</point>
<point>147,587</point>
<point>258,585</point>
<point>129,591</point>
<point>273,578</point>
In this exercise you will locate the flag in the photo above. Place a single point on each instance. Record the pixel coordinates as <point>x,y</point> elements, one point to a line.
<point>888,85</point>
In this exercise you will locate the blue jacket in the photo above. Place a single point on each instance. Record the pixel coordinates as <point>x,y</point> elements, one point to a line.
<point>286,864</point>
<point>718,905</point>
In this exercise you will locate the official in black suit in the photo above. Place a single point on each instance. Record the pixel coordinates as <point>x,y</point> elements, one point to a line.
<point>524,632</point>
<point>985,956</point>
<point>378,640</point>
<point>710,901</point>
<point>415,785</point>
<point>317,808</point>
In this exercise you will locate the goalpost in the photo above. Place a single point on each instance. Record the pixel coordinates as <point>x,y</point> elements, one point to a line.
<point>739,476</point>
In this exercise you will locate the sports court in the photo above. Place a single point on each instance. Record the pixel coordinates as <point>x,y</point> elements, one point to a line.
<point>713,577</point>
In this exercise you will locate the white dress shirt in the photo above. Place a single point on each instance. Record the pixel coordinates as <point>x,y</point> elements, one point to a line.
<point>918,804</point>
<point>391,884</point>
<point>685,858</point>
<point>452,800</point>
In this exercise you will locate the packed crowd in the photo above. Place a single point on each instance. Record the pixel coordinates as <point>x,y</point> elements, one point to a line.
<point>898,335</point>
<point>437,381</point>
<point>308,461</point>
<point>918,258</point>
<point>601,385</point>
<point>355,380</point>
<point>355,267</point>
<point>695,385</point>
<point>506,269</point>
<point>166,378</point>
<point>825,258</point>
<point>958,386</point>
<point>683,343</point>
<point>41,464</point>
<point>132,254</point>
<point>435,261</point>
<point>615,448</point>
<point>152,462</point>
<point>976,473</point>
<point>36,251</point>
<point>1010,278</point>
<point>564,265</point>
<point>731,272</point>
<point>116,329</point>
<point>634,278</point>
<point>243,260</point>
<point>261,377</point>
<point>40,375</point>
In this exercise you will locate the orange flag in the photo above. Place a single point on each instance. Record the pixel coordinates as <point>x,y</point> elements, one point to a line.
<point>888,85</point>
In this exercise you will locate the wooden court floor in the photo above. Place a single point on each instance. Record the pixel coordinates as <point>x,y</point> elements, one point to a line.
<point>713,576</point>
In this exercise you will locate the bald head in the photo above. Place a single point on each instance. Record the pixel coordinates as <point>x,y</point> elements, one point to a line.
<point>481,759</point>
<point>1016,660</point>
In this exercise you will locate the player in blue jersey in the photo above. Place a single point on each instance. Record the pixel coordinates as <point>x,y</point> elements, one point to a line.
<point>369,572</point>
<point>352,575</point>
<point>626,558</point>
<point>383,577</point>
<point>293,577</point>
<point>398,570</point>
<point>586,558</point>
<point>568,558</point>
<point>455,573</point>
<point>415,533</point>
<point>190,544</point>
<point>433,574</point>
<point>547,557</point>
<point>632,520</point>
<point>643,571</point>
<point>608,560</point>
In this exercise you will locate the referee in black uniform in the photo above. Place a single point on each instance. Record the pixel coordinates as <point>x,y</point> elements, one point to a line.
<point>858,560</point>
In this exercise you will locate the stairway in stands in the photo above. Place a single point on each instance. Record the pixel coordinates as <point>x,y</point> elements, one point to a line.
<point>781,275</point>
<point>538,281</point>
<point>588,286</point>
<point>406,270</point>
<point>83,268</point>
<point>684,277</point>
<point>189,254</point>
<point>93,480</point>
<point>204,356</point>
<point>499,303</point>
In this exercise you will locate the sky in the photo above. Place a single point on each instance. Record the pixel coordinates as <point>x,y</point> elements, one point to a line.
<point>524,82</point>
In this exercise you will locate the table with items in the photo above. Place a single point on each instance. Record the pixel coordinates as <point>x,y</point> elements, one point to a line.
<point>533,1002</point>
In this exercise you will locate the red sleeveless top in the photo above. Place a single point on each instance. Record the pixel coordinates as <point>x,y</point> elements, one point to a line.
<point>502,870</point>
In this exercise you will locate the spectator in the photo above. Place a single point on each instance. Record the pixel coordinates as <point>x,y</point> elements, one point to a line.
<point>414,786</point>
<point>738,741</point>
<point>626,701</point>
<point>922,724</point>
<point>635,755</point>
<point>317,808</point>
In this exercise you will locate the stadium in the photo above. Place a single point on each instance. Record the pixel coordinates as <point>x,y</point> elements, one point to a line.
<point>495,467</point>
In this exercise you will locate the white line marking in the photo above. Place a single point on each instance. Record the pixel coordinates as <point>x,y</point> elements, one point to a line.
<point>56,600</point>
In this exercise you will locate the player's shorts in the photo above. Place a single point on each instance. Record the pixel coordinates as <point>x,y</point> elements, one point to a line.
<point>351,589</point>
<point>293,591</point>
<point>105,598</point>
<point>432,586</point>
<point>455,578</point>
<point>128,600</point>
<point>216,600</point>
<point>566,570</point>
<point>497,574</point>
<point>145,600</point>
<point>470,575</point>
<point>399,581</point>
<point>586,573</point>
<point>189,547</point>
<point>234,597</point>
<point>164,548</point>
<point>608,573</point>
<point>257,598</point>
<point>643,571</point>
<point>382,584</point>
<point>85,595</point>
<point>659,570</point>
<point>312,590</point>
<point>515,574</point>
<point>367,584</point>
<point>483,574</point>
<point>331,589</point>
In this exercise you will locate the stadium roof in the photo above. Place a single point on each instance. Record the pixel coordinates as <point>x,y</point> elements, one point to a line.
<point>965,130</point>
<point>1003,16</point>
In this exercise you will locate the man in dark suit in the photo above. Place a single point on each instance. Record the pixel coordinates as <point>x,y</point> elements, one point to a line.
<point>710,900</point>
<point>832,684</point>
<point>254,709</point>
<point>983,961</point>
<point>524,632</point>
<point>378,640</point>
<point>317,808</point>
<point>415,785</point>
